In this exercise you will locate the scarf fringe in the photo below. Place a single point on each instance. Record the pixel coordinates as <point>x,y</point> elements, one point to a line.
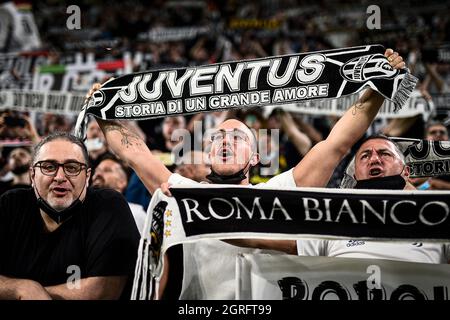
<point>404,91</point>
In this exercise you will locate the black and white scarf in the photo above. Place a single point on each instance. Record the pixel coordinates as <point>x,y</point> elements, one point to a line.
<point>234,212</point>
<point>268,81</point>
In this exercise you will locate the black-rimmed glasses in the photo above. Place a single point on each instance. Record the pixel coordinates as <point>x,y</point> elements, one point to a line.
<point>50,168</point>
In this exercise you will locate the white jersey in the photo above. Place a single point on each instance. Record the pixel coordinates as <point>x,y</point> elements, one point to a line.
<point>210,265</point>
<point>424,252</point>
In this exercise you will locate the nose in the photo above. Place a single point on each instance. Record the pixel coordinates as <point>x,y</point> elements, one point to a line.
<point>60,175</point>
<point>97,173</point>
<point>374,157</point>
<point>227,140</point>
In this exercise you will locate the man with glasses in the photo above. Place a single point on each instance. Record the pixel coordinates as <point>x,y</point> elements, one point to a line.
<point>61,239</point>
<point>233,152</point>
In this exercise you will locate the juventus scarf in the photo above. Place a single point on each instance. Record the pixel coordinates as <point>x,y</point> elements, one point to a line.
<point>233,212</point>
<point>259,82</point>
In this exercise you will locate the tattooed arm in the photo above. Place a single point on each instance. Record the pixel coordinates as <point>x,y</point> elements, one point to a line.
<point>129,147</point>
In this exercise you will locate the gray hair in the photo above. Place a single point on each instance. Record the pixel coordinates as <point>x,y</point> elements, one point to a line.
<point>61,136</point>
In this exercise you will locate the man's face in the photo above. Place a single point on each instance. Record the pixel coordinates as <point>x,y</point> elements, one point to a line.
<point>19,160</point>
<point>231,148</point>
<point>93,131</point>
<point>437,132</point>
<point>171,124</point>
<point>378,158</point>
<point>59,190</point>
<point>109,174</point>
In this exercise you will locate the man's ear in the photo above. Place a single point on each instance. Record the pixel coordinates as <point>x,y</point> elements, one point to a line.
<point>31,173</point>
<point>88,176</point>
<point>407,171</point>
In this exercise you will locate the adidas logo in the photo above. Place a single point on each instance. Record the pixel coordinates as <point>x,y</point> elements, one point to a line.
<point>352,243</point>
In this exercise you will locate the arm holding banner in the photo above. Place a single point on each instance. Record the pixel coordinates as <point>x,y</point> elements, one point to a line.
<point>347,131</point>
<point>129,147</point>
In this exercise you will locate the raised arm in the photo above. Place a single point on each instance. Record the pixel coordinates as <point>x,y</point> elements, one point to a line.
<point>318,165</point>
<point>132,149</point>
<point>129,147</point>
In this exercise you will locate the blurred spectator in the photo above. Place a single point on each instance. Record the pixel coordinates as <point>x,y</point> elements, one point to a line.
<point>276,146</point>
<point>136,192</point>
<point>110,173</point>
<point>17,127</point>
<point>55,123</point>
<point>19,163</point>
<point>96,144</point>
<point>169,148</point>
<point>435,131</point>
<point>434,77</point>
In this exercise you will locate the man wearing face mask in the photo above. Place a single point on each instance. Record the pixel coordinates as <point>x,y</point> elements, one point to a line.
<point>379,164</point>
<point>95,144</point>
<point>19,161</point>
<point>61,239</point>
<point>233,152</point>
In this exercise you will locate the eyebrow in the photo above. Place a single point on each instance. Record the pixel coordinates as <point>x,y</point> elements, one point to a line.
<point>65,161</point>
<point>233,131</point>
<point>378,150</point>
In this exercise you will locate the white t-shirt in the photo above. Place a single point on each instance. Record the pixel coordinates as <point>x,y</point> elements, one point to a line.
<point>210,265</point>
<point>424,252</point>
<point>139,215</point>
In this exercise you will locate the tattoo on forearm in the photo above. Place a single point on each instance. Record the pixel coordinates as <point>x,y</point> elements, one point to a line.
<point>363,99</point>
<point>128,137</point>
<point>358,105</point>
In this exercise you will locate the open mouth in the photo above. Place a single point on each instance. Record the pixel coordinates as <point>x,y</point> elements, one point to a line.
<point>375,172</point>
<point>60,191</point>
<point>225,153</point>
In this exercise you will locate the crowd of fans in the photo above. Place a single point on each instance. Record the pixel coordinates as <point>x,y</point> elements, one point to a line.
<point>168,34</point>
<point>182,33</point>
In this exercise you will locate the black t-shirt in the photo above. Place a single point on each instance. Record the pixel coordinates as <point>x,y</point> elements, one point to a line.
<point>5,186</point>
<point>101,239</point>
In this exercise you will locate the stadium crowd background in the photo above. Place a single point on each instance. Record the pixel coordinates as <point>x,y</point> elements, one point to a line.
<point>164,34</point>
